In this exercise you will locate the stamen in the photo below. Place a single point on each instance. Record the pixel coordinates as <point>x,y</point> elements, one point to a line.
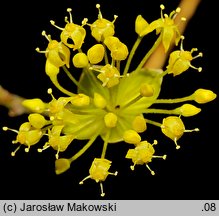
<point>192,130</point>
<point>57,154</point>
<point>99,14</point>
<point>48,37</point>
<point>82,181</point>
<point>115,173</point>
<point>70,15</point>
<point>181,44</point>
<point>53,23</point>
<point>39,51</point>
<point>101,189</point>
<point>14,152</point>
<point>6,129</point>
<point>199,69</point>
<point>161,11</point>
<point>84,21</point>
<point>49,91</point>
<point>152,172</point>
<point>27,149</point>
<point>115,17</point>
<point>178,10</point>
<point>40,150</point>
<point>132,167</point>
<point>177,146</point>
<point>154,143</point>
<point>163,157</point>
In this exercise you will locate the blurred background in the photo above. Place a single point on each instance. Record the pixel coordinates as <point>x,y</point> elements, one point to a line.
<point>188,173</point>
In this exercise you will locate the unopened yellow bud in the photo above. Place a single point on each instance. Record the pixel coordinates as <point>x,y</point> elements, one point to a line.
<point>37,121</point>
<point>139,124</point>
<point>146,90</point>
<point>132,137</point>
<point>61,165</point>
<point>99,101</point>
<point>96,53</point>
<point>110,120</point>
<point>26,126</point>
<point>35,105</point>
<point>204,96</point>
<point>140,25</point>
<point>29,137</point>
<point>80,100</point>
<point>80,60</point>
<point>51,69</point>
<point>189,110</point>
<point>119,50</point>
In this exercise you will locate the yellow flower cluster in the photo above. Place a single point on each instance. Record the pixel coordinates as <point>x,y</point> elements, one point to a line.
<point>111,102</point>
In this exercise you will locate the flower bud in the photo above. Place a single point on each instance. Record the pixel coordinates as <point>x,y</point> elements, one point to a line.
<point>131,137</point>
<point>36,120</point>
<point>204,96</point>
<point>96,53</point>
<point>110,120</point>
<point>80,100</point>
<point>146,90</point>
<point>35,105</point>
<point>80,60</point>
<point>61,165</point>
<point>99,101</point>
<point>139,124</point>
<point>189,110</point>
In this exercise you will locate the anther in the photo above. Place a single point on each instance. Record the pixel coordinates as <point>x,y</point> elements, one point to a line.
<point>152,172</point>
<point>70,15</point>
<point>101,189</point>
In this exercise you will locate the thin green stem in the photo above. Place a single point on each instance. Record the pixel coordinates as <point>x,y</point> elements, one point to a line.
<point>176,100</point>
<point>132,101</point>
<point>153,122</point>
<point>149,53</point>
<point>58,86</point>
<point>73,79</point>
<point>105,144</point>
<point>82,151</point>
<point>162,111</point>
<point>105,55</point>
<point>134,48</point>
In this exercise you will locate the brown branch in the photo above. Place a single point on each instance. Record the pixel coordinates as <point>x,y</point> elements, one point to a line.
<point>11,101</point>
<point>188,9</point>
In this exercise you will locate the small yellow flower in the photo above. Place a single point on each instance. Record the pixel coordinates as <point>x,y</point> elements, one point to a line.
<point>119,50</point>
<point>80,60</point>
<point>109,75</point>
<point>204,96</point>
<point>143,154</point>
<point>166,27</point>
<point>57,55</point>
<point>99,171</point>
<point>96,53</point>
<point>180,61</point>
<point>102,28</point>
<point>173,128</point>
<point>110,103</point>
<point>72,31</point>
<point>57,141</point>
